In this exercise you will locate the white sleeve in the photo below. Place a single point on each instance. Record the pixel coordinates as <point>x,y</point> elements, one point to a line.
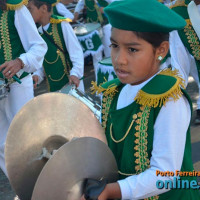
<point>74,49</point>
<point>180,57</point>
<point>167,155</point>
<point>34,46</point>
<point>79,6</point>
<point>62,10</point>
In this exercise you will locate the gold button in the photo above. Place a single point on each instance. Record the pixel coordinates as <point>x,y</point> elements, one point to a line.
<point>135,116</point>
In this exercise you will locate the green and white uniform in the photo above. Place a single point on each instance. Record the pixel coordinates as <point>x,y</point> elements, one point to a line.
<point>57,65</point>
<point>144,129</point>
<point>93,15</point>
<point>185,44</point>
<point>18,38</point>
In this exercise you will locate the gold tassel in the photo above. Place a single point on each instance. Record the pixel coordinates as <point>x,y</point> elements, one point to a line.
<point>99,89</point>
<point>16,6</point>
<point>178,3</point>
<point>154,100</point>
<point>57,21</point>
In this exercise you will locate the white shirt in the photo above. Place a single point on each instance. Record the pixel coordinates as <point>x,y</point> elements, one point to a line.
<point>181,59</point>
<point>62,10</point>
<point>169,140</point>
<point>80,5</point>
<point>74,49</point>
<point>34,46</point>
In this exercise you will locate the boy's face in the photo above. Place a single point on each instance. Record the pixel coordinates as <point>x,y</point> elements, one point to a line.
<point>134,59</point>
<point>35,12</point>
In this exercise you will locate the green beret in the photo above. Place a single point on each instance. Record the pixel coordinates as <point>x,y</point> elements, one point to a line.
<point>143,16</point>
<point>52,2</point>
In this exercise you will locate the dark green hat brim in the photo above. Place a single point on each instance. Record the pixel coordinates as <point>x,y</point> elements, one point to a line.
<point>143,16</point>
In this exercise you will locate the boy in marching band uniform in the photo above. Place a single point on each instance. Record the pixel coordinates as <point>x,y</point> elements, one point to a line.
<point>145,112</point>
<point>63,62</point>
<point>22,51</point>
<point>185,44</point>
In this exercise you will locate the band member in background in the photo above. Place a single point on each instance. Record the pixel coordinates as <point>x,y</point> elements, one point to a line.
<point>185,44</point>
<point>60,9</point>
<point>95,14</point>
<point>22,51</point>
<point>145,112</point>
<point>64,61</point>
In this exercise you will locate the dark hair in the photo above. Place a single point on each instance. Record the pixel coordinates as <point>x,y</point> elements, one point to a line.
<point>154,38</point>
<point>38,4</point>
<point>3,4</point>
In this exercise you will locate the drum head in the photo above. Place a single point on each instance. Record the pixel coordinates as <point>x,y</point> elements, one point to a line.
<point>106,61</point>
<point>49,120</point>
<point>64,173</point>
<point>87,28</point>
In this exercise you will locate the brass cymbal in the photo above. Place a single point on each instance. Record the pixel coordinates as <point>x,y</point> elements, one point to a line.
<point>63,176</point>
<point>49,120</point>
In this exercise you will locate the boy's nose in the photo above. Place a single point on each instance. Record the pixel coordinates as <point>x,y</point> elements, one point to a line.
<point>120,58</point>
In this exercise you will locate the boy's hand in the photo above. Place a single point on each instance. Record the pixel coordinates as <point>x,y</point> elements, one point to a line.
<point>35,80</point>
<point>74,80</point>
<point>76,15</point>
<point>10,68</point>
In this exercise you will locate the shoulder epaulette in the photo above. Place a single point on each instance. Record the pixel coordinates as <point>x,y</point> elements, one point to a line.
<point>170,88</point>
<point>15,4</point>
<point>54,4</point>
<point>107,87</point>
<point>179,3</point>
<point>55,19</point>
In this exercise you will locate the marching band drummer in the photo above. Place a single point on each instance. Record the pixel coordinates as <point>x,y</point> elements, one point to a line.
<point>64,61</point>
<point>145,112</point>
<point>95,13</point>
<point>22,51</point>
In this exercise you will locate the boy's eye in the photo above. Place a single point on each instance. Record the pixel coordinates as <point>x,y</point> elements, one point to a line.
<point>132,50</point>
<point>113,45</point>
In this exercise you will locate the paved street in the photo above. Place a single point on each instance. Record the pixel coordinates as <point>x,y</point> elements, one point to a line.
<point>6,193</point>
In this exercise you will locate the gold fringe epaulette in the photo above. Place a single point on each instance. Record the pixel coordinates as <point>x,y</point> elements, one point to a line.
<point>57,21</point>
<point>155,100</point>
<point>54,4</point>
<point>99,89</point>
<point>16,6</point>
<point>178,3</point>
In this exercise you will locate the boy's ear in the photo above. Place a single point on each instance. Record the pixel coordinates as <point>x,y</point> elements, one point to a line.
<point>163,49</point>
<point>43,8</point>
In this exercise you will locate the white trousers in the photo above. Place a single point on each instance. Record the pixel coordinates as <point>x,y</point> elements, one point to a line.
<point>19,95</point>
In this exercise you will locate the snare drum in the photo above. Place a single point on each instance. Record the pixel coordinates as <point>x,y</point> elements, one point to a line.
<point>105,71</point>
<point>3,89</point>
<point>89,36</point>
<point>88,101</point>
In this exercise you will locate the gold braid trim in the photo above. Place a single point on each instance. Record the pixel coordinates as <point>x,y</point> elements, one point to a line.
<point>4,31</point>
<point>192,39</point>
<point>142,161</point>
<point>178,3</point>
<point>108,94</point>
<point>99,89</point>
<point>58,21</point>
<point>154,100</point>
<point>16,6</point>
<point>57,40</point>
